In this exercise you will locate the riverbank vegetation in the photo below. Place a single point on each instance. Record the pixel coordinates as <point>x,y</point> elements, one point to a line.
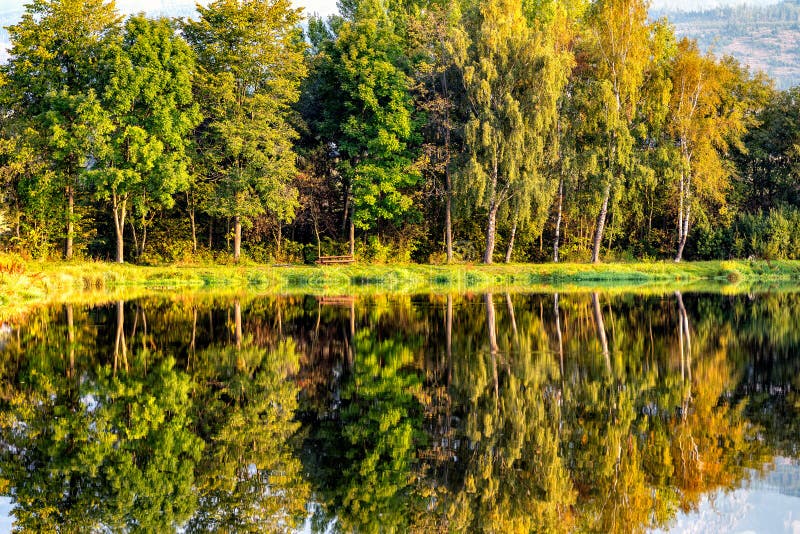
<point>424,131</point>
<point>23,284</point>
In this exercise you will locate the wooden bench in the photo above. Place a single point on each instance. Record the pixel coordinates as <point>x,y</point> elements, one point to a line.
<point>337,301</point>
<point>333,260</point>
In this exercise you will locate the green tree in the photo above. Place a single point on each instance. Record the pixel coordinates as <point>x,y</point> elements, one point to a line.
<point>513,78</point>
<point>250,64</point>
<point>100,449</point>
<point>618,48</point>
<point>362,458</point>
<point>767,168</point>
<point>702,125</point>
<point>151,111</point>
<point>250,479</point>
<point>433,36</point>
<point>55,77</point>
<point>367,115</point>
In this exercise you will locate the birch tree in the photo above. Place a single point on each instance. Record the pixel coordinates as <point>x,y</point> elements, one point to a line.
<point>618,51</point>
<point>513,80</point>
<point>702,126</point>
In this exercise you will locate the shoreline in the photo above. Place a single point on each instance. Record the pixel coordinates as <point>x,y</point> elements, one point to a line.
<point>25,284</point>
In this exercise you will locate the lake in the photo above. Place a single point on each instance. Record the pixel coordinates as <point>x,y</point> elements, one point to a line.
<point>578,412</point>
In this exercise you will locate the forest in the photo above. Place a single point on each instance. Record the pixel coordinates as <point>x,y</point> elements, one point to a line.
<point>430,131</point>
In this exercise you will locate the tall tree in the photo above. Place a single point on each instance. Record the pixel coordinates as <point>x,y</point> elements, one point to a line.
<point>435,33</point>
<point>150,105</point>
<point>513,78</point>
<point>567,28</point>
<point>702,125</point>
<point>368,118</point>
<point>250,64</point>
<point>618,50</point>
<point>55,77</point>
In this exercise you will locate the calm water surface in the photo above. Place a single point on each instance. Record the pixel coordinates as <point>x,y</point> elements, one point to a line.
<point>467,413</point>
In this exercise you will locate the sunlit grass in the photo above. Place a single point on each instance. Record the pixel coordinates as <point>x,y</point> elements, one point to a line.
<point>25,283</point>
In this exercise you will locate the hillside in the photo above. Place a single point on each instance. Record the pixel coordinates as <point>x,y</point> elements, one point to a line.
<point>766,38</point>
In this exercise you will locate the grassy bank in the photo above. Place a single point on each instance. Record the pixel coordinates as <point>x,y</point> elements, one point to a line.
<point>22,283</point>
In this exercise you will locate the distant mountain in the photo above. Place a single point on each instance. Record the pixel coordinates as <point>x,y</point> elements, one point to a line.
<point>704,5</point>
<point>767,38</point>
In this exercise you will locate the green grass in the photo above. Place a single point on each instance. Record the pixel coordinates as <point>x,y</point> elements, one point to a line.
<point>25,283</point>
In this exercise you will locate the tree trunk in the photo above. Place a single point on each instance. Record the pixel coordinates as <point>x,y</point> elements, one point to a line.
<point>448,221</point>
<point>491,325</point>
<point>491,231</point>
<point>210,233</point>
<point>237,238</point>
<point>135,238</point>
<point>119,208</point>
<point>556,240</point>
<point>601,223</point>
<point>71,341</point>
<point>680,216</point>
<point>351,346</point>
<point>684,320</point>
<point>144,237</point>
<point>449,328</point>
<point>512,316</point>
<point>120,347</point>
<point>494,205</point>
<point>448,224</point>
<point>70,224</point>
<point>683,233</point>
<point>601,329</point>
<point>352,237</point>
<point>558,333</point>
<point>316,233</point>
<point>510,248</point>
<point>237,323</point>
<point>278,240</point>
<point>190,206</point>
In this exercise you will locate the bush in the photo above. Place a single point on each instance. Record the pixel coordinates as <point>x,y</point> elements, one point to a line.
<point>772,235</point>
<point>11,264</point>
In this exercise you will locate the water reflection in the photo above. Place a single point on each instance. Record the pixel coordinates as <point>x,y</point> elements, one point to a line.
<point>479,413</point>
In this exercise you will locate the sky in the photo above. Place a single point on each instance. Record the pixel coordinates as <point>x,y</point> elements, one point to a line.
<point>700,5</point>
<point>322,7</point>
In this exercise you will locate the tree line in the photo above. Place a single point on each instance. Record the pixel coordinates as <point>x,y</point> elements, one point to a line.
<point>422,130</point>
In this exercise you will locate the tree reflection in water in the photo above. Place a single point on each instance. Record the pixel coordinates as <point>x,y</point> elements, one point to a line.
<point>492,413</point>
